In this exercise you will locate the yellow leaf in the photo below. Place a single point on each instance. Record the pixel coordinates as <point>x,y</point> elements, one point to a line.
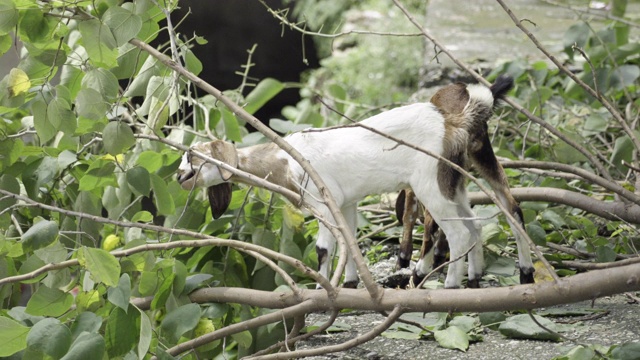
<point>18,82</point>
<point>542,273</point>
<point>118,158</point>
<point>292,216</point>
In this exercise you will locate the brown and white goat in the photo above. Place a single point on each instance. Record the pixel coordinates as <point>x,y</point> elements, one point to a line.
<point>354,162</point>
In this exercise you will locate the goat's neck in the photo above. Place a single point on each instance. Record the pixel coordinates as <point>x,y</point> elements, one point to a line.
<point>262,161</point>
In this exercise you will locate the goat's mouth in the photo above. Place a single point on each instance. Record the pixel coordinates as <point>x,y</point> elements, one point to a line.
<point>185,177</point>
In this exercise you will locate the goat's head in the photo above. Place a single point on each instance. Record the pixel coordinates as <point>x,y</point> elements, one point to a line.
<point>196,172</point>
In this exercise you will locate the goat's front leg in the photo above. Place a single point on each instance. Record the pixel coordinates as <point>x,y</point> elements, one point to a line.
<point>462,232</point>
<point>325,246</point>
<point>485,162</point>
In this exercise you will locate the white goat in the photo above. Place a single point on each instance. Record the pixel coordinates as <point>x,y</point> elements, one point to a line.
<point>355,162</point>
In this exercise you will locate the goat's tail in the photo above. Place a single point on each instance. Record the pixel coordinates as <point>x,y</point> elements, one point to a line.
<point>482,100</point>
<point>501,87</point>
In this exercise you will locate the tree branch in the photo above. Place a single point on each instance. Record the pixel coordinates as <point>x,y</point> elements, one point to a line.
<point>585,286</point>
<point>607,209</point>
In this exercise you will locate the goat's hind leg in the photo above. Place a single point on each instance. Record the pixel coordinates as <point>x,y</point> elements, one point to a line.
<point>407,212</point>
<point>430,256</point>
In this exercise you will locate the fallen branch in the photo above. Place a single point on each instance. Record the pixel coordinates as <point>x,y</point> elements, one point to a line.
<point>587,286</point>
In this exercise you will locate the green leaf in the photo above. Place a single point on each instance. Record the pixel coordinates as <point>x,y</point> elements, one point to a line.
<point>192,63</point>
<point>10,184</point>
<point>150,160</point>
<point>49,302</point>
<point>86,346</point>
<point>117,137</point>
<point>286,126</point>
<point>231,126</point>
<point>244,339</point>
<point>179,321</point>
<point>13,336</point>
<point>622,151</point>
<point>464,322</point>
<point>554,218</point>
<point>45,130</point>
<point>492,319</point>
<point>522,327</point>
<point>626,351</point>
<point>262,93</point>
<point>41,234</point>
<point>580,353</point>
<point>452,338</point>
<point>49,337</point>
<point>99,176</point>
<point>99,43</point>
<point>124,24</point>
<point>605,254</point>
<point>102,81</point>
<point>103,266</point>
<point>8,17</point>
<point>119,296</point>
<point>142,216</point>
<point>145,335</point>
<point>86,322</point>
<point>121,332</point>
<point>537,233</point>
<point>59,114</point>
<point>33,26</point>
<point>162,196</point>
<point>91,105</point>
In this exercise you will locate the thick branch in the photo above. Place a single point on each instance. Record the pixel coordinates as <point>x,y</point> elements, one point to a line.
<point>607,209</point>
<point>586,286</point>
<point>586,175</point>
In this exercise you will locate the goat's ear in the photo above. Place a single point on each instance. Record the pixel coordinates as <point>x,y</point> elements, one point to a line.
<point>225,152</point>
<point>400,205</point>
<point>219,198</point>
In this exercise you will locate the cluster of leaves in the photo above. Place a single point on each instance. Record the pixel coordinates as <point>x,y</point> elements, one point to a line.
<point>67,140</point>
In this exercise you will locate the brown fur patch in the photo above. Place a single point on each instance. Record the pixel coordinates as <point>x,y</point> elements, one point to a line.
<point>225,152</point>
<point>407,210</point>
<point>259,161</point>
<point>451,102</point>
<point>451,99</point>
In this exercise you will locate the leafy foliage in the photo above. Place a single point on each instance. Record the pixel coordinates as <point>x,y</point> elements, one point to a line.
<point>78,113</point>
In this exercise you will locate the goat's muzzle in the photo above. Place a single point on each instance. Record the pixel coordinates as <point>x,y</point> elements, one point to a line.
<point>182,177</point>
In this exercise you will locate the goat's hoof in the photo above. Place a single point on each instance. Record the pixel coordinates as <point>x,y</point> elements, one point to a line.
<point>416,278</point>
<point>402,263</point>
<point>473,284</point>
<point>526,276</point>
<point>350,284</point>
